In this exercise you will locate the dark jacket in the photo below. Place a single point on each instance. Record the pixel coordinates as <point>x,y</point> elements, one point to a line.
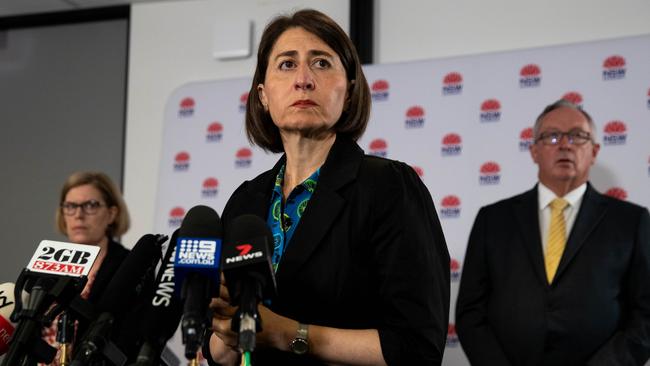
<point>114,258</point>
<point>368,253</point>
<point>596,311</point>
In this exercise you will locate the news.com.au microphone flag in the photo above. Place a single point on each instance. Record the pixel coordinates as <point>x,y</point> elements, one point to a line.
<point>196,272</point>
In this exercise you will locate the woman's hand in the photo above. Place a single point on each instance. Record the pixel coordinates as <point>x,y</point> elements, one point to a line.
<point>223,341</point>
<point>332,345</point>
<point>221,353</point>
<point>277,330</point>
<point>222,316</point>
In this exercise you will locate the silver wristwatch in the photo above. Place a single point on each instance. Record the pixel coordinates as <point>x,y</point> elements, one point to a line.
<point>300,345</point>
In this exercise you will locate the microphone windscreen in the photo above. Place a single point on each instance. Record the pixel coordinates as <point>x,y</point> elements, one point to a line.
<point>165,310</point>
<point>201,222</point>
<point>246,253</point>
<point>198,251</point>
<point>196,271</point>
<point>126,284</point>
<point>247,227</point>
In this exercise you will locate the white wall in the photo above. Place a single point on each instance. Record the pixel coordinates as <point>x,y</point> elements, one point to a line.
<point>171,45</point>
<point>409,30</point>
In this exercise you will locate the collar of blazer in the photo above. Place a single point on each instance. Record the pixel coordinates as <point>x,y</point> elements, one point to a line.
<point>592,210</point>
<point>340,168</point>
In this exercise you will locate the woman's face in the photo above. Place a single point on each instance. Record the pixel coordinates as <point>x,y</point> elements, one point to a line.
<point>305,86</point>
<point>84,227</point>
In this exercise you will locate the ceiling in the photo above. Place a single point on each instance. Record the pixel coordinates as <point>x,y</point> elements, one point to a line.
<point>30,7</point>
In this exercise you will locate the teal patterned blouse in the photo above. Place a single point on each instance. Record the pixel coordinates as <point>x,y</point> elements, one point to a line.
<point>283,219</point>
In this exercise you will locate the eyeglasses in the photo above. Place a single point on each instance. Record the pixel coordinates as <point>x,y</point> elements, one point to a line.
<point>574,137</point>
<point>88,207</point>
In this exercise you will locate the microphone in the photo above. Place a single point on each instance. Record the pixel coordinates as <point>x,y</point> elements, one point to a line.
<point>7,327</point>
<point>163,313</point>
<point>120,295</point>
<point>56,273</point>
<point>128,281</point>
<point>248,272</point>
<point>196,272</point>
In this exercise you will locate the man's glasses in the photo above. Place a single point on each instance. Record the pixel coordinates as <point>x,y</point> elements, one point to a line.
<point>575,137</point>
<point>88,207</point>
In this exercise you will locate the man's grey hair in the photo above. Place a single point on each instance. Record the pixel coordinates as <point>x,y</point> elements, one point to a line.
<point>563,103</point>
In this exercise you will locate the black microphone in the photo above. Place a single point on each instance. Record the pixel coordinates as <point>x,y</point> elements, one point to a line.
<point>196,272</point>
<point>54,276</point>
<point>120,295</point>
<point>163,313</point>
<point>128,280</point>
<point>248,272</point>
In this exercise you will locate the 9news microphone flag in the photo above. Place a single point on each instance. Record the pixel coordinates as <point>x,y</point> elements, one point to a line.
<point>196,271</point>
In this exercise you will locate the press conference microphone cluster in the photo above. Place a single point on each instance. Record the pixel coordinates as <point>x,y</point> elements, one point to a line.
<point>196,272</point>
<point>247,268</point>
<point>54,277</point>
<point>248,273</point>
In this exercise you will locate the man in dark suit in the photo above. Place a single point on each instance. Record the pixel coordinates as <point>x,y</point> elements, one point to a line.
<point>560,274</point>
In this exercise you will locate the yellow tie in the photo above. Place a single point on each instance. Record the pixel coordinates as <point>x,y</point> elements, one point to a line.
<point>556,238</point>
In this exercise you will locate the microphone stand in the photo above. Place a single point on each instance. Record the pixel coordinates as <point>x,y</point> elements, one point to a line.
<point>27,346</point>
<point>64,336</point>
<point>196,293</point>
<point>246,321</point>
<point>97,346</point>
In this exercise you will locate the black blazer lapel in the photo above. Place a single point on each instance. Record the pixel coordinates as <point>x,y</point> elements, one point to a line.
<point>257,195</point>
<point>324,207</point>
<point>526,212</point>
<point>592,210</point>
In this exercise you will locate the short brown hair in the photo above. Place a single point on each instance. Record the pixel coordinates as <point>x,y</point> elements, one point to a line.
<point>110,193</point>
<point>260,129</point>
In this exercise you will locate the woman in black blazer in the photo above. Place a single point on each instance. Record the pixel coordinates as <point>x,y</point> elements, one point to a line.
<point>361,262</point>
